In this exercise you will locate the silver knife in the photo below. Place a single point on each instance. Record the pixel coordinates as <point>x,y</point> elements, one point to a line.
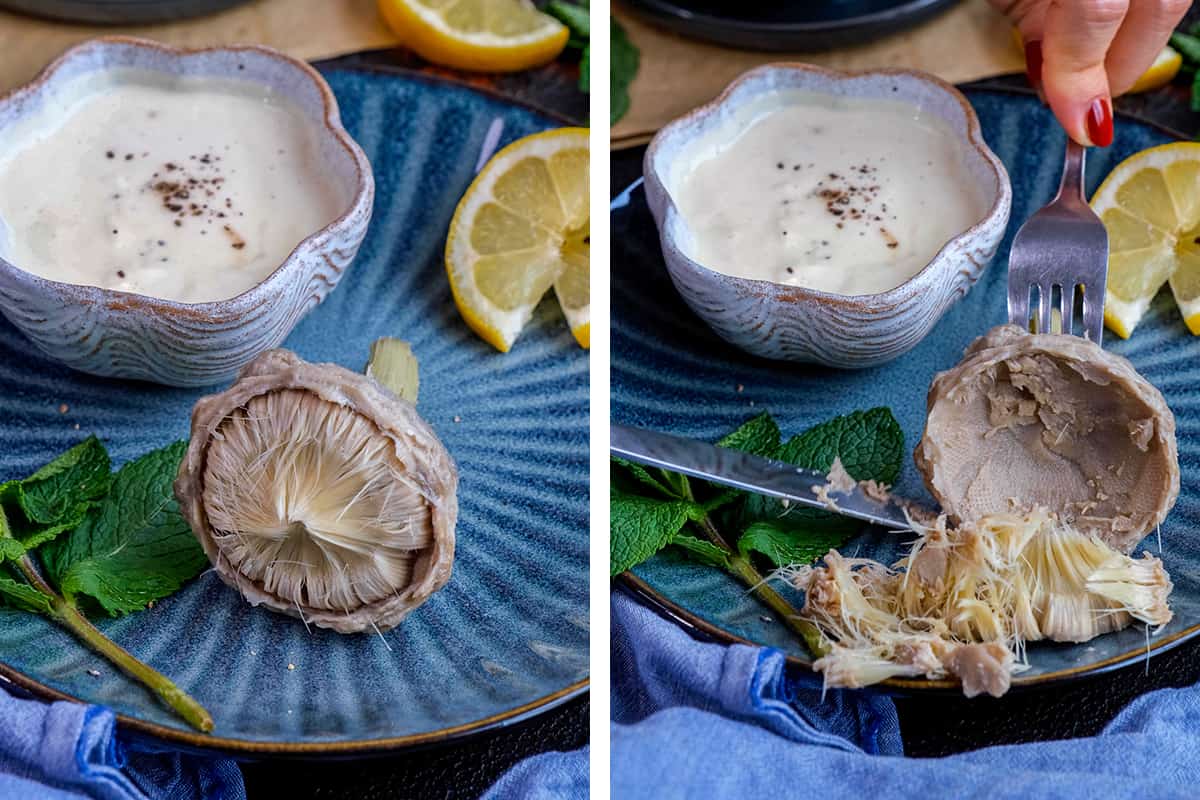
<point>749,473</point>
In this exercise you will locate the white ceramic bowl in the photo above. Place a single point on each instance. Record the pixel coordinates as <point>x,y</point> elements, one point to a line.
<point>126,335</point>
<point>781,321</point>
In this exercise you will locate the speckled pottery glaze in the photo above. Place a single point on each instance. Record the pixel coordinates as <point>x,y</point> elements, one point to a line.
<point>125,335</point>
<point>507,636</point>
<point>798,324</point>
<point>670,373</point>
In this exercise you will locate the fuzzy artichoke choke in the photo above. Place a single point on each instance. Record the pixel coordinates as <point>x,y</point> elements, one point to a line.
<point>318,493</point>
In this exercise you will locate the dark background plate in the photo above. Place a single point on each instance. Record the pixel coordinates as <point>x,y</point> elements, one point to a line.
<point>783,26</point>
<point>669,371</point>
<point>118,12</point>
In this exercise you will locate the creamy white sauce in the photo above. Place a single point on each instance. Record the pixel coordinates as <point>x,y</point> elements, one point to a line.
<point>186,189</point>
<point>844,195</point>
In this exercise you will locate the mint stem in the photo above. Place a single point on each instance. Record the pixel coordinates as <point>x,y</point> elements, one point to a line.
<point>66,614</point>
<point>743,570</point>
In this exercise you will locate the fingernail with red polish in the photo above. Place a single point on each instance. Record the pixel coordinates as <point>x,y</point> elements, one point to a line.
<point>1100,122</point>
<point>1033,64</point>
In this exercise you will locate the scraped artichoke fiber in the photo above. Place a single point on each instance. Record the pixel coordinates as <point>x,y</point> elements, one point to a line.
<point>1054,459</point>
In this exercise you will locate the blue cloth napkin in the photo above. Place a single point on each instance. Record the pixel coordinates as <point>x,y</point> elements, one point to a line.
<point>546,776</point>
<point>69,751</point>
<point>694,719</point>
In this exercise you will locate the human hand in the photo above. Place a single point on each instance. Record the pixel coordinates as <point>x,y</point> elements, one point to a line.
<point>1082,53</point>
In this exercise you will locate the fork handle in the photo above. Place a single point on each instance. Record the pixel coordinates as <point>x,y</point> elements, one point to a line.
<point>1071,187</point>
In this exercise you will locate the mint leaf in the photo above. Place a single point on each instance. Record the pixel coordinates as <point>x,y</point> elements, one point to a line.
<point>641,526</point>
<point>700,550</point>
<point>135,547</point>
<point>871,447</point>
<point>575,17</point>
<point>1188,46</point>
<point>645,477</point>
<point>759,436</point>
<point>869,443</point>
<point>678,483</point>
<point>56,497</point>
<point>78,476</point>
<point>783,546</point>
<point>31,536</point>
<point>623,67</point>
<point>11,550</point>
<point>17,594</point>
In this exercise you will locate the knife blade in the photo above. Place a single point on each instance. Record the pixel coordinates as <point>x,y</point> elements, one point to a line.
<point>749,473</point>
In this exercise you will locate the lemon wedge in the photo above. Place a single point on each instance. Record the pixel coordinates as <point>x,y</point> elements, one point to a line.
<point>479,35</point>
<point>521,229</point>
<point>1150,205</point>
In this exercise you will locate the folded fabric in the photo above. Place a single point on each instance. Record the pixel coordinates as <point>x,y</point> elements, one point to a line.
<point>546,776</point>
<point>56,751</point>
<point>694,719</point>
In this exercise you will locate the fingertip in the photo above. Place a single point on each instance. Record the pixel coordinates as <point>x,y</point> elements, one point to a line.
<point>1082,103</point>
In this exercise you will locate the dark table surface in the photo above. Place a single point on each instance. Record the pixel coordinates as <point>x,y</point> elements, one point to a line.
<point>945,724</point>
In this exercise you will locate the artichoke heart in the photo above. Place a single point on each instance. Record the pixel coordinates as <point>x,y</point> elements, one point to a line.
<point>316,492</point>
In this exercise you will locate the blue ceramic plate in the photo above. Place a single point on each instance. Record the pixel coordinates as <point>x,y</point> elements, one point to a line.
<point>671,373</point>
<point>786,26</point>
<point>509,633</point>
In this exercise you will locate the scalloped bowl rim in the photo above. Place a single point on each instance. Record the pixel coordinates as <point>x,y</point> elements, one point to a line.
<point>1001,198</point>
<point>228,309</point>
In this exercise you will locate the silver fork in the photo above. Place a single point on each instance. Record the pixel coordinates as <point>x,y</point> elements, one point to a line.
<point>1059,250</point>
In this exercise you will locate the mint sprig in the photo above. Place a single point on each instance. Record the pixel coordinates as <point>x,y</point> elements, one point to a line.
<point>653,509</point>
<point>74,536</point>
<point>577,19</point>
<point>1188,45</point>
<point>624,61</point>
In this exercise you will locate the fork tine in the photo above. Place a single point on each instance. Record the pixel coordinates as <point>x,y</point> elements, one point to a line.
<point>1018,304</point>
<point>1045,307</point>
<point>1068,308</point>
<point>1093,312</point>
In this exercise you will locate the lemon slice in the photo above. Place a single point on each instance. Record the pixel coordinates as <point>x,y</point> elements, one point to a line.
<point>521,228</point>
<point>1150,204</point>
<point>481,35</point>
